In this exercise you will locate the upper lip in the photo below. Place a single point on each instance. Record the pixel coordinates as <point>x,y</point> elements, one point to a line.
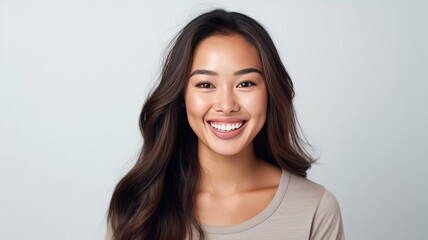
<point>227,120</point>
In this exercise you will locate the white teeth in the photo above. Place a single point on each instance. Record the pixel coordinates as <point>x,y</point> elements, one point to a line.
<point>226,127</point>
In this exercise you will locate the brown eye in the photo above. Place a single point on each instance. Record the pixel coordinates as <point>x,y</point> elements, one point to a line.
<point>246,84</point>
<point>205,85</point>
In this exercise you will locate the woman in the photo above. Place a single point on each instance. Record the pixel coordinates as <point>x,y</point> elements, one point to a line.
<point>222,158</point>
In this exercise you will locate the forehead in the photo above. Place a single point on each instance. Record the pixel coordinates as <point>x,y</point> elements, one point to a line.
<point>225,53</point>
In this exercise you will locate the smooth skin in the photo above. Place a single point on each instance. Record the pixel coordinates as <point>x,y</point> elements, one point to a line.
<point>226,82</point>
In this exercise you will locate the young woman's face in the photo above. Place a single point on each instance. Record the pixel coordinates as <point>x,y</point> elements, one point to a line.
<point>226,96</point>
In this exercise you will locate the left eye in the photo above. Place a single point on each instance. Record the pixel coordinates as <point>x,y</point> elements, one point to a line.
<point>246,84</point>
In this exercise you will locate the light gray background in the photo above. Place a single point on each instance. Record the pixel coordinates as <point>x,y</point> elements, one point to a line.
<point>74,75</point>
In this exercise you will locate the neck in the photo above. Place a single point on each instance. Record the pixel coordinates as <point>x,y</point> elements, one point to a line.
<point>227,174</point>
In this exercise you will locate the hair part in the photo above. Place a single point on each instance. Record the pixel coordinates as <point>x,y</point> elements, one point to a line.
<point>156,198</point>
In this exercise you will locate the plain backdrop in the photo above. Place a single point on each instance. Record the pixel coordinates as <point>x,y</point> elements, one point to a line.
<point>74,75</point>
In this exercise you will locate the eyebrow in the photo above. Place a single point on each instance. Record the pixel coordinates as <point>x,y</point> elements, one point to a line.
<point>212,73</point>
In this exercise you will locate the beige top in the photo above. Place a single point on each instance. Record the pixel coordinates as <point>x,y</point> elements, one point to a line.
<point>300,209</point>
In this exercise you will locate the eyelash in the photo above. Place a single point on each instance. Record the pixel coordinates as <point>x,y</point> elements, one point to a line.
<point>211,86</point>
<point>250,82</point>
<point>204,83</point>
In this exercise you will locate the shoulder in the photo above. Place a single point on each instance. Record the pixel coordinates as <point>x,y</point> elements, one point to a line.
<point>328,209</point>
<point>304,188</point>
<point>327,222</point>
<point>320,205</point>
<point>328,204</point>
<point>322,197</point>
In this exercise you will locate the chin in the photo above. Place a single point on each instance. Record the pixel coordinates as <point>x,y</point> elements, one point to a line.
<point>227,149</point>
<point>226,152</point>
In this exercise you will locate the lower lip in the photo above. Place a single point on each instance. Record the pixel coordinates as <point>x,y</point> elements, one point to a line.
<point>228,135</point>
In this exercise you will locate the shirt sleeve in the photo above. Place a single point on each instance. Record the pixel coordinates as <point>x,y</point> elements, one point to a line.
<point>327,223</point>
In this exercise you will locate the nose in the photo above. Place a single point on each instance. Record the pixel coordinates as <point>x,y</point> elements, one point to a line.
<point>226,101</point>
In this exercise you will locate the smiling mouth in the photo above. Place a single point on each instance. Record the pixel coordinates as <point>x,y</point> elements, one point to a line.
<point>227,127</point>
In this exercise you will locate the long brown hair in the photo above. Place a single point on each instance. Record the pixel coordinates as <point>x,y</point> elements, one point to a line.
<point>156,199</point>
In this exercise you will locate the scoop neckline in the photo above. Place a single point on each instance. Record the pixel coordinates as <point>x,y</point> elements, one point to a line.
<point>259,218</point>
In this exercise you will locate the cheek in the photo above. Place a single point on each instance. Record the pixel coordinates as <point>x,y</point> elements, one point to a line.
<point>196,106</point>
<point>256,105</point>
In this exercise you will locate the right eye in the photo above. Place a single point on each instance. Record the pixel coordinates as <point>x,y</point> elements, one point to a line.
<point>204,85</point>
